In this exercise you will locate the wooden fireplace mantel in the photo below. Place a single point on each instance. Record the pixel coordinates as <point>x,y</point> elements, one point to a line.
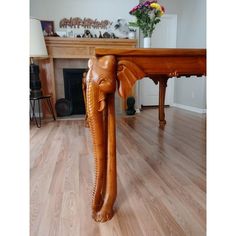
<point>72,48</point>
<point>82,47</point>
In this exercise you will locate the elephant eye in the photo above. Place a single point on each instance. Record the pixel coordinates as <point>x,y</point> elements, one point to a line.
<point>102,79</point>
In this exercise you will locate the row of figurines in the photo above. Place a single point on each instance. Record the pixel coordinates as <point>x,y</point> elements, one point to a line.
<point>87,34</point>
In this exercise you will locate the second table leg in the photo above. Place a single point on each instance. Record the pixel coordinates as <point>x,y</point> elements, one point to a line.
<point>162,93</point>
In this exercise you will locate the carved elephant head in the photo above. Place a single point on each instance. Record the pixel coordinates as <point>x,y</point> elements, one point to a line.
<point>102,75</point>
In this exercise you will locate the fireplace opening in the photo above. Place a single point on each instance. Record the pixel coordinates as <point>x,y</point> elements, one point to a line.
<point>73,89</point>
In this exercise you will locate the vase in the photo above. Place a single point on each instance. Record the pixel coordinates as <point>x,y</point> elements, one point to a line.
<point>131,35</point>
<point>147,42</point>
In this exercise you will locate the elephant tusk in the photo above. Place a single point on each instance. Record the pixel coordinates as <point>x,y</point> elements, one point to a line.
<point>102,105</point>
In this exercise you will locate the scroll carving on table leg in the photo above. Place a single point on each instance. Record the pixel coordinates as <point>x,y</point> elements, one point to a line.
<point>100,89</point>
<point>128,73</point>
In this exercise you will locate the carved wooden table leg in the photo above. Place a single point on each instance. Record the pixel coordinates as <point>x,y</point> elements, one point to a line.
<point>162,93</point>
<point>106,211</point>
<point>100,90</point>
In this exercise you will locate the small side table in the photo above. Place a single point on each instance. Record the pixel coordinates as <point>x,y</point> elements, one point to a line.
<point>33,101</point>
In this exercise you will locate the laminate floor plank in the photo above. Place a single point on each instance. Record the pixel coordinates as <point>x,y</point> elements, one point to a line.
<point>161,177</point>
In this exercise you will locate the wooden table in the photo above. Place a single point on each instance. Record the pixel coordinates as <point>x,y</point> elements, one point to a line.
<point>126,66</point>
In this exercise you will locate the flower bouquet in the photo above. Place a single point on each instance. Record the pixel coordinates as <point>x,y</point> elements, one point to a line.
<point>148,14</point>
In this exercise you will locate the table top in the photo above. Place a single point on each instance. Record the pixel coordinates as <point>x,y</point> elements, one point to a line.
<point>151,52</point>
<point>157,63</point>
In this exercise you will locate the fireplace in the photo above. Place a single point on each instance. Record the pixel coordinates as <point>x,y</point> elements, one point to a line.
<point>73,89</point>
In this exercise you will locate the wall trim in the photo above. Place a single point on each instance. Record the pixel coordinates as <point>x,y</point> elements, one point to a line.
<point>189,108</point>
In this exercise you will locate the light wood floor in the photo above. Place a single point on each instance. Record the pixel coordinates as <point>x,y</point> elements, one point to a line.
<point>161,177</point>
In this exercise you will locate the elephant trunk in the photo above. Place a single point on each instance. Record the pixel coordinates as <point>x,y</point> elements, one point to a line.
<point>95,118</point>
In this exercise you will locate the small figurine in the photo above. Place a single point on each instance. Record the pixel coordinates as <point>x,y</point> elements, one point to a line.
<point>87,34</point>
<point>130,104</point>
<point>121,28</point>
<point>106,35</point>
<point>113,36</point>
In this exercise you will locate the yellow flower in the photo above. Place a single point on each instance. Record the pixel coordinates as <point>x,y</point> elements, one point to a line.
<point>161,13</point>
<point>156,6</point>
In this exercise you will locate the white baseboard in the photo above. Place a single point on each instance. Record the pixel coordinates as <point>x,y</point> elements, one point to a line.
<point>189,108</point>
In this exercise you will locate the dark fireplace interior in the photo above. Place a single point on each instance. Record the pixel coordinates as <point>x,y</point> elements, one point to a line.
<point>73,89</point>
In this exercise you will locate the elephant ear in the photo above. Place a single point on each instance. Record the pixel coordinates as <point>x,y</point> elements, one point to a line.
<point>127,73</point>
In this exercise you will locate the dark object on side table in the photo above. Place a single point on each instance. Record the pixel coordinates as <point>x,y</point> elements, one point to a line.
<point>35,84</point>
<point>130,104</point>
<point>38,99</point>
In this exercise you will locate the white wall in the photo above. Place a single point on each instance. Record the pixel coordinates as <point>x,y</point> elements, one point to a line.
<point>192,24</point>
<point>101,9</point>
<point>191,21</point>
<point>191,33</point>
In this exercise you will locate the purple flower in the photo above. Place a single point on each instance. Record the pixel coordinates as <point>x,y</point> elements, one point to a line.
<point>147,16</point>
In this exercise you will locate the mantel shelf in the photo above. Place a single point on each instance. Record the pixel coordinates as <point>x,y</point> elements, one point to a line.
<point>83,47</point>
